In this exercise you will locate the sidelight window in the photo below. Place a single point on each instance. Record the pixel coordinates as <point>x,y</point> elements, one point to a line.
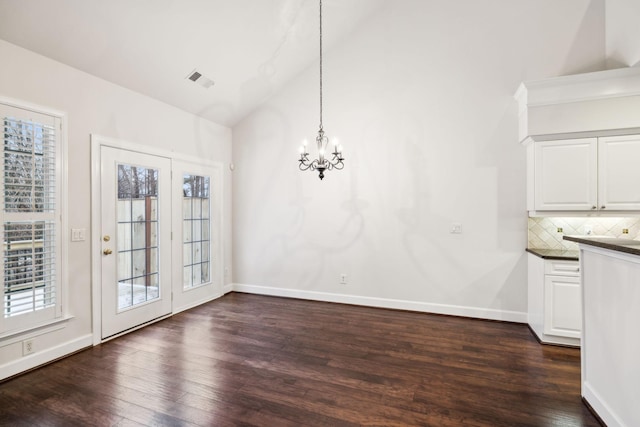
<point>196,219</point>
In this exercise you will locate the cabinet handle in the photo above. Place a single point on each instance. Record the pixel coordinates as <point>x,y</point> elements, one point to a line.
<point>603,207</point>
<point>594,207</point>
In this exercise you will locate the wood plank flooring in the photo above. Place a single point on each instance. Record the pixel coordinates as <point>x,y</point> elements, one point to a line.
<point>248,360</point>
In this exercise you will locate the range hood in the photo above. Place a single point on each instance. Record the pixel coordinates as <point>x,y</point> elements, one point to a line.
<point>602,103</point>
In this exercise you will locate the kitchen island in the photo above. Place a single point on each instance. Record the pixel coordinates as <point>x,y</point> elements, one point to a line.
<point>610,277</point>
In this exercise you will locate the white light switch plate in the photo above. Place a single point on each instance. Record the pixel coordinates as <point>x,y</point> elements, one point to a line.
<point>78,234</point>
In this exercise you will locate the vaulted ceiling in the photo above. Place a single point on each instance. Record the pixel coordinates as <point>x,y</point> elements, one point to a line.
<point>249,48</point>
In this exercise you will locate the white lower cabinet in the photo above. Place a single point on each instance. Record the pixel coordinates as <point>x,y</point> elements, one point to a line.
<point>554,304</point>
<point>562,309</point>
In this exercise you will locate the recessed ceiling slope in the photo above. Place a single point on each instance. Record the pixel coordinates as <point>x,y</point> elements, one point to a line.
<point>251,48</point>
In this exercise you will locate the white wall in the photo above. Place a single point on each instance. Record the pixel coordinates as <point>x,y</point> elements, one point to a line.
<point>96,106</point>
<point>622,33</point>
<point>421,97</point>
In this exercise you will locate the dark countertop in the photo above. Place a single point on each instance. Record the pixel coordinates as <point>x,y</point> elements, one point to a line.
<point>621,245</point>
<point>561,254</point>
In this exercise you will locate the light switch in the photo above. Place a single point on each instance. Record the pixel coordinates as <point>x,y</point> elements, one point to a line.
<point>78,234</point>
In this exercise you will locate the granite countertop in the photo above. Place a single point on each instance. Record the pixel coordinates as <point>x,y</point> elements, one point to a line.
<point>615,244</point>
<point>562,254</point>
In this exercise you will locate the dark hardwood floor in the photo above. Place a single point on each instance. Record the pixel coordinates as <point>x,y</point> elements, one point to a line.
<point>247,360</point>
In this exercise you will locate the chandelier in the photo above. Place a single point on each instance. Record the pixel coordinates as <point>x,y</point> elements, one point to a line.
<point>323,162</point>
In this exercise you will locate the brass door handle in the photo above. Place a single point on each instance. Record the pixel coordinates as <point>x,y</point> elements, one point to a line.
<point>107,252</point>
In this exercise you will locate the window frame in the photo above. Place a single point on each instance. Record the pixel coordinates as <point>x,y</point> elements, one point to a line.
<point>11,326</point>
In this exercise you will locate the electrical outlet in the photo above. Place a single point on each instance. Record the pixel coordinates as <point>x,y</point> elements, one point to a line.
<point>588,230</point>
<point>456,228</point>
<point>559,230</point>
<point>343,278</point>
<point>27,347</point>
<point>625,231</point>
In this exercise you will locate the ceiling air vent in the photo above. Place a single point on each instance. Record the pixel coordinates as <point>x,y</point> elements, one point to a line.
<point>203,81</point>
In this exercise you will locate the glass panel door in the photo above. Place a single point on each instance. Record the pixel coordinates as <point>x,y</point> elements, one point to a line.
<point>136,227</point>
<point>197,253</point>
<point>137,207</point>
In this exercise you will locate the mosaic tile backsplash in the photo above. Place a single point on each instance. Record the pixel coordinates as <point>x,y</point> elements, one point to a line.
<point>547,232</point>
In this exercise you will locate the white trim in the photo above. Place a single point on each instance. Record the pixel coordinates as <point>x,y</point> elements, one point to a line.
<point>34,331</point>
<point>12,102</point>
<point>617,83</point>
<point>600,406</point>
<point>62,221</point>
<point>613,253</point>
<point>40,358</point>
<point>226,288</point>
<point>425,307</point>
<point>147,149</point>
<point>98,141</point>
<point>177,310</point>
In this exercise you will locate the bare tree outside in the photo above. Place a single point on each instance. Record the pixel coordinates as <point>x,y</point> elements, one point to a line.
<point>29,187</point>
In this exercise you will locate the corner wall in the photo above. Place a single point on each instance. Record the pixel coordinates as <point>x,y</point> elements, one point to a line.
<point>622,33</point>
<point>421,97</point>
<point>96,106</point>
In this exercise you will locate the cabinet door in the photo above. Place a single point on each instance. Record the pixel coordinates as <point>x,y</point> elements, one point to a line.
<point>562,306</point>
<point>619,173</point>
<point>566,175</point>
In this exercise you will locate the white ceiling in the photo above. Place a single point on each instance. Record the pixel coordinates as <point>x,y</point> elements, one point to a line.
<point>250,48</point>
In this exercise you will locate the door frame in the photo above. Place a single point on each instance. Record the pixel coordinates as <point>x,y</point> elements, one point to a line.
<point>98,141</point>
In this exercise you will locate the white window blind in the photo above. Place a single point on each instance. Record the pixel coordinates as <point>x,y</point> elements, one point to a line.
<point>30,218</point>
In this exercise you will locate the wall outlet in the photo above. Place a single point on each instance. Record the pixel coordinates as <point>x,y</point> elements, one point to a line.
<point>625,231</point>
<point>27,347</point>
<point>456,228</point>
<point>343,278</point>
<point>560,230</point>
<point>588,229</point>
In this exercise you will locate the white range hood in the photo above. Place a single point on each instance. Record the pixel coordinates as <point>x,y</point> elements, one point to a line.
<point>602,103</point>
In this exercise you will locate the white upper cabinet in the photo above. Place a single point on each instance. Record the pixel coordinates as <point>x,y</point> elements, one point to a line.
<point>582,135</point>
<point>619,173</point>
<point>565,175</point>
<point>586,174</point>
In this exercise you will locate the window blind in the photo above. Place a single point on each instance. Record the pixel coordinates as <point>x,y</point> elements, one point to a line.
<point>29,217</point>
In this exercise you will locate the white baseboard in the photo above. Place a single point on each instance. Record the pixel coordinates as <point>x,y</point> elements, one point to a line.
<point>425,307</point>
<point>226,288</point>
<point>177,310</point>
<point>600,406</point>
<point>40,358</point>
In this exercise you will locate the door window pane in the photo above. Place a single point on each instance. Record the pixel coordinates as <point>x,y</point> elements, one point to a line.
<point>196,206</point>
<point>137,235</point>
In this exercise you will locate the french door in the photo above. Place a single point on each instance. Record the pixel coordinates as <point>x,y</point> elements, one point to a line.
<point>135,209</point>
<point>196,244</point>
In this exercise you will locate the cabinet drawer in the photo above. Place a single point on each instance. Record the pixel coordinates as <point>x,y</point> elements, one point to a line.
<point>562,268</point>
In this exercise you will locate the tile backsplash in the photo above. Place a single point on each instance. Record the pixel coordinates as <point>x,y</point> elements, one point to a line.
<point>544,232</point>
